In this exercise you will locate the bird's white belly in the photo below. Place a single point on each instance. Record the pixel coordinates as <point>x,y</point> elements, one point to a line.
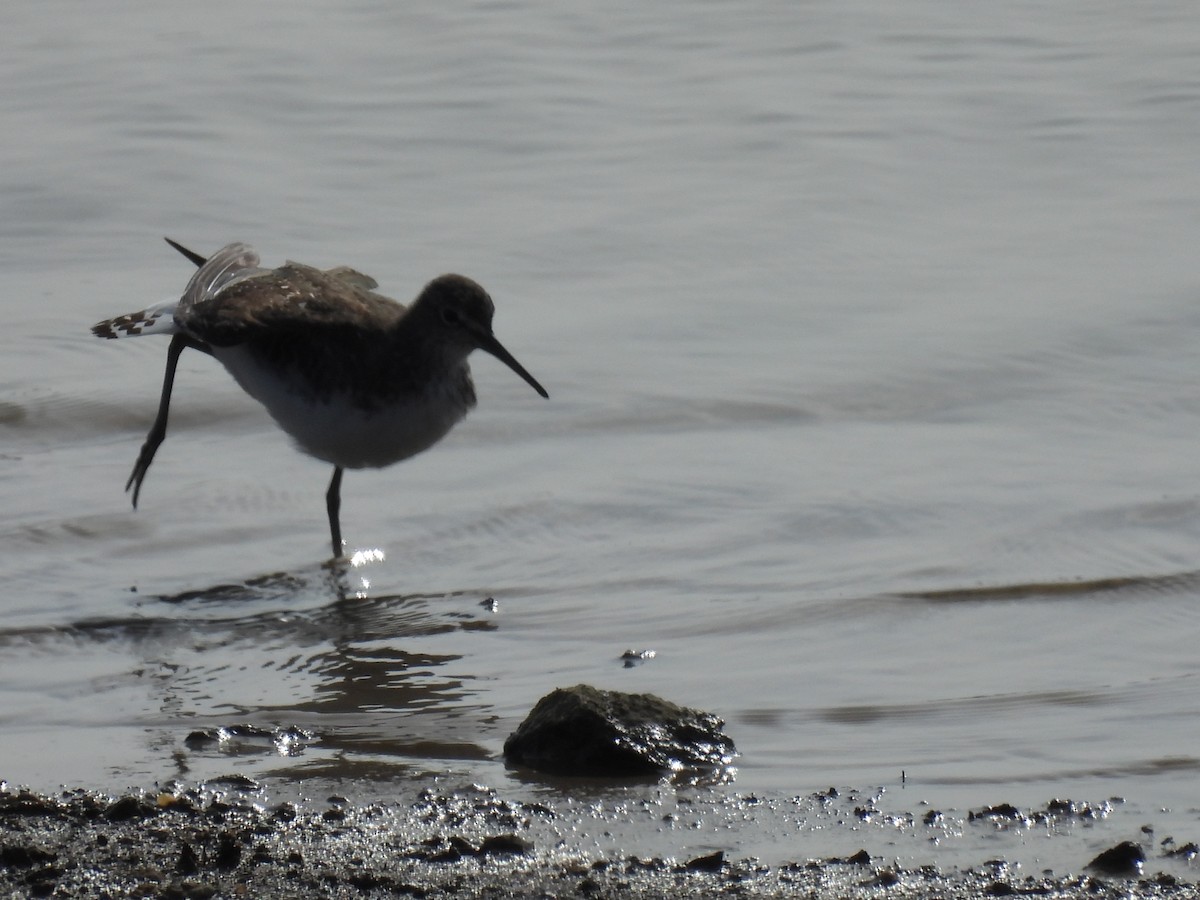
<point>335,430</point>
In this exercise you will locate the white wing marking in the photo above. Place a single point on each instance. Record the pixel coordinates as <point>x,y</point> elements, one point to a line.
<point>230,264</point>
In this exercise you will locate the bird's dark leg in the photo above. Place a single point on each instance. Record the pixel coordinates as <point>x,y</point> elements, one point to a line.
<point>158,431</point>
<point>333,503</point>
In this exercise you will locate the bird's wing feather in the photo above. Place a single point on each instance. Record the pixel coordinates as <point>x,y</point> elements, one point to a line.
<point>292,300</point>
<point>230,264</point>
<point>352,276</point>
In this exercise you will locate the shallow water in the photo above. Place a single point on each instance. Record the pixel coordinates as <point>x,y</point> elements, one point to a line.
<point>870,334</point>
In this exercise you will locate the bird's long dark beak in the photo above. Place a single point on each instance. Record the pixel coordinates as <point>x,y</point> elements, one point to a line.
<point>190,254</point>
<point>489,343</point>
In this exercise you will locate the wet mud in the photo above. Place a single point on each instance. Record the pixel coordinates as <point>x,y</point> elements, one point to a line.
<point>214,842</point>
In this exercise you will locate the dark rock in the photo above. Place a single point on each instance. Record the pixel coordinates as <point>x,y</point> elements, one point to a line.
<point>1188,851</point>
<point>27,804</point>
<point>861,858</point>
<point>504,845</point>
<point>284,812</point>
<point>1125,858</point>
<point>586,731</point>
<point>18,856</point>
<point>188,890</point>
<point>126,808</point>
<point>999,811</point>
<point>243,738</point>
<point>189,861</point>
<point>633,658</point>
<point>229,851</point>
<point>713,862</point>
<point>217,809</point>
<point>199,740</point>
<point>457,848</point>
<point>237,782</point>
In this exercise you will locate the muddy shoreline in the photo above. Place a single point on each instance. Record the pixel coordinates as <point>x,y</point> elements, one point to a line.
<point>225,841</point>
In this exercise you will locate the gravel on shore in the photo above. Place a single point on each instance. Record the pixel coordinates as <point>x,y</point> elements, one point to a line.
<point>203,843</point>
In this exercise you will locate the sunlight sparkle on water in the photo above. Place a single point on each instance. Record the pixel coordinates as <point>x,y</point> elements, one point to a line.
<point>363,557</point>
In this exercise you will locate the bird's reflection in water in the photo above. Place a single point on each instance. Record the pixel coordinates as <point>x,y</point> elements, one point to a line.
<point>377,679</point>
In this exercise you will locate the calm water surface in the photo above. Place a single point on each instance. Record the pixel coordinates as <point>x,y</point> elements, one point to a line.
<point>870,329</point>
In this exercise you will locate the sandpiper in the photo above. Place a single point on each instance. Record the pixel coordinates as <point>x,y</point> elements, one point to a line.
<point>357,379</point>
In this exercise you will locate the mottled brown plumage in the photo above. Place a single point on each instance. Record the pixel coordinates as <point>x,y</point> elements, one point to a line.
<point>355,378</point>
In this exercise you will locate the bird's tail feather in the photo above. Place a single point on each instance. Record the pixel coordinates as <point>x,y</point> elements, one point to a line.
<point>156,319</point>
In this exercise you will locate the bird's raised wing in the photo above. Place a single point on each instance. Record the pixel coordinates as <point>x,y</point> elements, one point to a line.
<point>292,300</point>
<point>232,263</point>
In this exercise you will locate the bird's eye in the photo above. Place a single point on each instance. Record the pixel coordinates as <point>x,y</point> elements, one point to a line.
<point>450,315</point>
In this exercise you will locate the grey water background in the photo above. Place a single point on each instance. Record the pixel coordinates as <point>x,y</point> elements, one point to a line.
<point>871,332</point>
